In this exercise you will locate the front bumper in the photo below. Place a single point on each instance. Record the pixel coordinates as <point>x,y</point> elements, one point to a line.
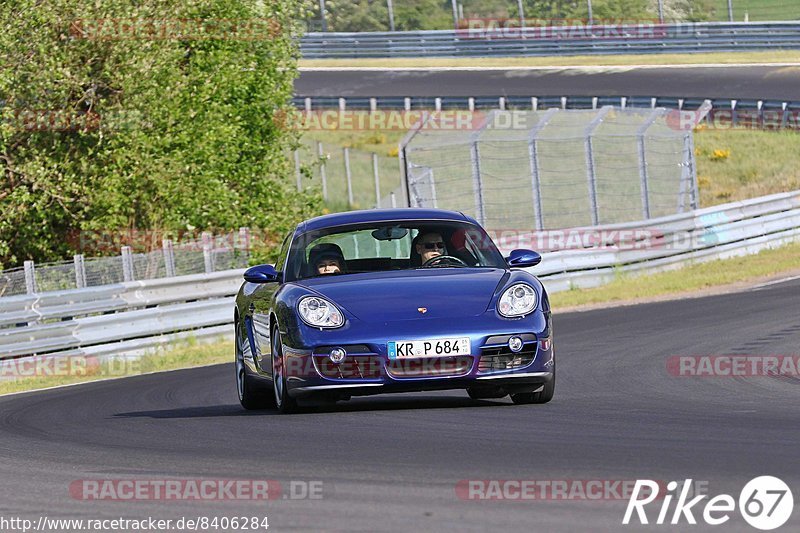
<point>369,370</point>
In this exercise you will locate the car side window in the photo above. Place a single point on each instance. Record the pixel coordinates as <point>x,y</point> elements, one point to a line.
<point>280,263</point>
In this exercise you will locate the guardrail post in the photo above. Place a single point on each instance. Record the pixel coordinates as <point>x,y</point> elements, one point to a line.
<point>30,278</point>
<point>208,252</point>
<point>244,239</point>
<point>377,180</point>
<point>391,14</point>
<point>402,156</point>
<point>730,10</point>
<point>535,103</point>
<point>308,105</point>
<point>643,171</point>
<point>590,170</point>
<point>323,172</point>
<point>208,258</point>
<point>471,103</point>
<point>298,174</point>
<point>348,176</point>
<point>342,104</point>
<point>437,103</point>
<point>694,192</point>
<point>373,104</point>
<point>80,271</point>
<point>407,103</point>
<point>322,15</point>
<point>533,156</point>
<point>475,156</point>
<point>661,11</point>
<point>127,264</point>
<point>169,257</point>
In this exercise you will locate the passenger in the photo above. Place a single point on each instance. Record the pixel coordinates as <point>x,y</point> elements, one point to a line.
<point>327,259</point>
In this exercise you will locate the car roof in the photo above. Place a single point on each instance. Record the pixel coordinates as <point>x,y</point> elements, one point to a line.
<point>380,215</point>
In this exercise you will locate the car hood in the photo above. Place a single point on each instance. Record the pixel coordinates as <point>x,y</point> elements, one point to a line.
<point>401,295</point>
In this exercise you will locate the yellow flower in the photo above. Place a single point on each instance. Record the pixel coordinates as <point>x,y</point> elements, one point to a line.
<point>719,155</point>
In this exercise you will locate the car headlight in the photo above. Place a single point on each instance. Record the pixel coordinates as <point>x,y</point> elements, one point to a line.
<point>517,300</point>
<point>319,312</point>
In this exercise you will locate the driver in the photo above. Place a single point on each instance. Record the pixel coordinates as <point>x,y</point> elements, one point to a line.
<point>430,245</point>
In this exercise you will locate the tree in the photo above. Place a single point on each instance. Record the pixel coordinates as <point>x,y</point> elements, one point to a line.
<point>144,114</point>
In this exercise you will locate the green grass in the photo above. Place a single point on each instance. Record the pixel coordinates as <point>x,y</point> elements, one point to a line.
<point>774,56</point>
<point>756,10</point>
<point>686,280</point>
<point>747,164</point>
<point>184,354</point>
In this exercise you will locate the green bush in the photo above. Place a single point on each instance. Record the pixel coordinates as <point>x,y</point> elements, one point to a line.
<point>113,119</point>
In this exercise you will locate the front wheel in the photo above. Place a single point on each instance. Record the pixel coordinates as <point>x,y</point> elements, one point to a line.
<point>543,395</point>
<point>251,396</point>
<point>285,403</point>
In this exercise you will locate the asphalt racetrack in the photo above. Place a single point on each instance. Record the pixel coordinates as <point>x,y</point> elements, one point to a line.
<point>762,82</point>
<point>393,462</point>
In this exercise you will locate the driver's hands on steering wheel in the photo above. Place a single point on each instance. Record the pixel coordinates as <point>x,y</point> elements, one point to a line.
<point>453,260</point>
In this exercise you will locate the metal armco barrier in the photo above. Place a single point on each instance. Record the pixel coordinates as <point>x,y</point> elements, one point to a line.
<point>121,318</point>
<point>758,114</point>
<point>678,38</point>
<point>719,232</point>
<point>132,317</point>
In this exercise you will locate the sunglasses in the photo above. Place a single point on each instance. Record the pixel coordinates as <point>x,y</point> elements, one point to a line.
<point>433,245</point>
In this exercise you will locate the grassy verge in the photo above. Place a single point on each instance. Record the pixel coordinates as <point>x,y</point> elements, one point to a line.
<point>735,165</point>
<point>73,370</point>
<point>687,280</point>
<point>776,56</point>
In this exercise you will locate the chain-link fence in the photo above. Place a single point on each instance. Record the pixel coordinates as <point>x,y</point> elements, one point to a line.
<point>555,168</point>
<point>211,253</point>
<point>404,15</point>
<point>349,178</point>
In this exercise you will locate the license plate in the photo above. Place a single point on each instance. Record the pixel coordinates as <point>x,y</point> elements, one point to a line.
<point>428,348</point>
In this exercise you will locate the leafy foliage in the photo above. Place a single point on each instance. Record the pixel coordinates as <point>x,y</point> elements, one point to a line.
<point>108,127</point>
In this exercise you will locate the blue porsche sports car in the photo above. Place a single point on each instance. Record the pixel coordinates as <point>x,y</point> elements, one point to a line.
<point>392,300</point>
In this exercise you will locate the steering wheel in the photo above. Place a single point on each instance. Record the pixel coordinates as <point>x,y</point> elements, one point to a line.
<point>433,261</point>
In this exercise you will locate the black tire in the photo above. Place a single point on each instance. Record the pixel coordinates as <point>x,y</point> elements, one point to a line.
<point>283,402</point>
<point>544,395</point>
<point>252,396</point>
<point>486,394</point>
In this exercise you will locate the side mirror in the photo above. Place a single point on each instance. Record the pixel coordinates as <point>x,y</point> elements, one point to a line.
<point>523,258</point>
<point>261,274</point>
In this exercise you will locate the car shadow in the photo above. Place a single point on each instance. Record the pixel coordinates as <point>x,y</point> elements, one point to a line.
<point>356,405</point>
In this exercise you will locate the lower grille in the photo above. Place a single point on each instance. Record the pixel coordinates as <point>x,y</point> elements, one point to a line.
<point>497,356</point>
<point>429,367</point>
<point>361,363</point>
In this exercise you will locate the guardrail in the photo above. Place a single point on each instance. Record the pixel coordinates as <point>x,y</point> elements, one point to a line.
<point>766,114</point>
<point>132,317</point>
<point>719,232</point>
<point>678,38</point>
<point>128,317</point>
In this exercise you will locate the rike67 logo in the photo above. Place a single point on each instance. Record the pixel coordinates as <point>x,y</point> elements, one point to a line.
<point>765,503</point>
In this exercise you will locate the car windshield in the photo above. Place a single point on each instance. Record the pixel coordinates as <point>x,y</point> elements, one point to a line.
<point>384,246</point>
